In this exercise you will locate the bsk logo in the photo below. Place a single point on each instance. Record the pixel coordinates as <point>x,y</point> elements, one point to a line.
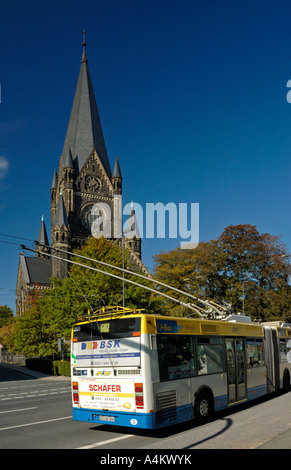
<point>102,344</point>
<point>92,345</point>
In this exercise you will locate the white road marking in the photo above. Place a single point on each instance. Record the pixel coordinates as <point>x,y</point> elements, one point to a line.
<point>33,424</point>
<point>104,443</point>
<point>21,409</point>
<point>29,394</point>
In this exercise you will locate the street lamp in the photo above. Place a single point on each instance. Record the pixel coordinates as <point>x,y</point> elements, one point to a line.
<point>244,297</point>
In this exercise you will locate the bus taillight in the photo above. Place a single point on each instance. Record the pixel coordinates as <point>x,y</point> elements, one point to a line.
<point>75,392</point>
<point>139,395</point>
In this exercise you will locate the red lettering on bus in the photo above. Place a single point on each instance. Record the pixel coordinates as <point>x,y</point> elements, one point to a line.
<point>104,388</point>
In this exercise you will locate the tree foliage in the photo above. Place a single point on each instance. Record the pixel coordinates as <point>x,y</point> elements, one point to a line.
<point>6,325</point>
<point>243,267</point>
<point>28,334</point>
<point>50,315</point>
<point>6,315</point>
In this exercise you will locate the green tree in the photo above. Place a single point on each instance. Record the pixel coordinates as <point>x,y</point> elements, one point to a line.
<point>6,325</point>
<point>51,315</point>
<point>6,315</point>
<point>256,272</point>
<point>28,333</point>
<point>243,267</point>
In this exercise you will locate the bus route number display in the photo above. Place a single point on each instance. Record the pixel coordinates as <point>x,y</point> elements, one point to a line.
<point>104,327</point>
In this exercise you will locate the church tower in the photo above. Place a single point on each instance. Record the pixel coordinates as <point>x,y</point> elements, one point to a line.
<point>86,197</point>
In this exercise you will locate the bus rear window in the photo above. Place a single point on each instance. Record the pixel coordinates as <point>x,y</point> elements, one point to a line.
<point>107,329</point>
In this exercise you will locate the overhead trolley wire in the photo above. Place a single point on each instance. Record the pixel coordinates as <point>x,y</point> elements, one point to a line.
<point>198,310</point>
<point>118,277</point>
<point>207,303</point>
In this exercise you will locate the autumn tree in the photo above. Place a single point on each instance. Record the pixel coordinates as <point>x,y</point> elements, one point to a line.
<point>242,267</point>
<point>28,335</point>
<point>6,315</point>
<point>6,326</point>
<point>51,315</point>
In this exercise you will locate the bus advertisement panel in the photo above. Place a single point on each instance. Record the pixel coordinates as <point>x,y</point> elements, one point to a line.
<point>107,394</point>
<point>107,353</point>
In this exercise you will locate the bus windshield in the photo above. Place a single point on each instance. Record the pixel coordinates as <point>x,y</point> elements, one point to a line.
<point>107,329</point>
<point>107,343</point>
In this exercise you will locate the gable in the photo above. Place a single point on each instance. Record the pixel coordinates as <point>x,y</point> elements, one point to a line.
<point>93,170</point>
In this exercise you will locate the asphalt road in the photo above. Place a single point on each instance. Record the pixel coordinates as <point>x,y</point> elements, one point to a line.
<point>35,413</point>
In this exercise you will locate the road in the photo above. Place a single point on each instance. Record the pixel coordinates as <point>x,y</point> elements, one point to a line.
<point>35,413</point>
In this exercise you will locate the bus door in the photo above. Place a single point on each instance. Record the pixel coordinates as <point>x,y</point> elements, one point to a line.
<point>236,369</point>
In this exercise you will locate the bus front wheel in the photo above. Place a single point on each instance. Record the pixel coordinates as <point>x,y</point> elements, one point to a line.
<point>203,407</point>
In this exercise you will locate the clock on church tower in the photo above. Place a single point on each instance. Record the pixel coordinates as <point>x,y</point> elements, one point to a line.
<point>93,183</point>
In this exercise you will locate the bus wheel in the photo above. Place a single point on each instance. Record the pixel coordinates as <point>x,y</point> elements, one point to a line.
<point>203,407</point>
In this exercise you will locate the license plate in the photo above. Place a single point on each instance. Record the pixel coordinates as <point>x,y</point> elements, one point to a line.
<point>107,418</point>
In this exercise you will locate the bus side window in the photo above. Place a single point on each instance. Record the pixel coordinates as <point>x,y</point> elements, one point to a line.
<point>210,356</point>
<point>255,353</point>
<point>176,358</point>
<point>283,350</point>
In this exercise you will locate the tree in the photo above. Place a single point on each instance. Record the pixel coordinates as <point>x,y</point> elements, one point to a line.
<point>6,325</point>
<point>256,271</point>
<point>6,315</point>
<point>243,267</point>
<point>28,334</point>
<point>50,316</point>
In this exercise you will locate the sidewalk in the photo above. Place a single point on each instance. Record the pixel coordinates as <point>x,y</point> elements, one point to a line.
<point>21,369</point>
<point>283,441</point>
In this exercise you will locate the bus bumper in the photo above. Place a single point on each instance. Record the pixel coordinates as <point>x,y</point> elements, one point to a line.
<point>134,420</point>
<point>154,420</point>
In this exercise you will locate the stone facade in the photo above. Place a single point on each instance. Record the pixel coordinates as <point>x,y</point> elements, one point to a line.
<point>86,197</point>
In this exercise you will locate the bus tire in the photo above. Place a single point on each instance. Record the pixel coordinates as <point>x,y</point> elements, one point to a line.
<point>203,407</point>
<point>286,381</point>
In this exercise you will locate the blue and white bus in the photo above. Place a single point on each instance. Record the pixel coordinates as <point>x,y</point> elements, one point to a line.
<point>130,368</point>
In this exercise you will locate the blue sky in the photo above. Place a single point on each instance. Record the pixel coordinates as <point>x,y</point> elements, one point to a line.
<point>192,100</point>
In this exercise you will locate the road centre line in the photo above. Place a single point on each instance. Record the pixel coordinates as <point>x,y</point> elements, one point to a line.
<point>20,409</point>
<point>104,443</point>
<point>32,424</point>
<point>39,392</point>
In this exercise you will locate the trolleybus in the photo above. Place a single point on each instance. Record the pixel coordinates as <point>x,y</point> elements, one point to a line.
<point>130,368</point>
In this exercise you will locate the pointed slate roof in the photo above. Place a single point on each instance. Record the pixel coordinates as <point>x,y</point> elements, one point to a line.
<point>42,235</point>
<point>55,180</point>
<point>36,270</point>
<point>61,218</point>
<point>67,159</point>
<point>84,131</point>
<point>116,171</point>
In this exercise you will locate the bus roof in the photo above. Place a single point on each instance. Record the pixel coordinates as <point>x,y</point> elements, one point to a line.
<point>157,323</point>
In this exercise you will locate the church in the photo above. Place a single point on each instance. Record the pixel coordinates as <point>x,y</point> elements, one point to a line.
<point>86,198</point>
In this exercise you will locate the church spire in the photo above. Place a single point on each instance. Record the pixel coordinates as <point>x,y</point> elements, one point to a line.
<point>42,241</point>
<point>84,58</point>
<point>61,218</point>
<point>84,133</point>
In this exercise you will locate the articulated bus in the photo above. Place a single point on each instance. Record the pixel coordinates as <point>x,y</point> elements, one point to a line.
<point>135,369</point>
